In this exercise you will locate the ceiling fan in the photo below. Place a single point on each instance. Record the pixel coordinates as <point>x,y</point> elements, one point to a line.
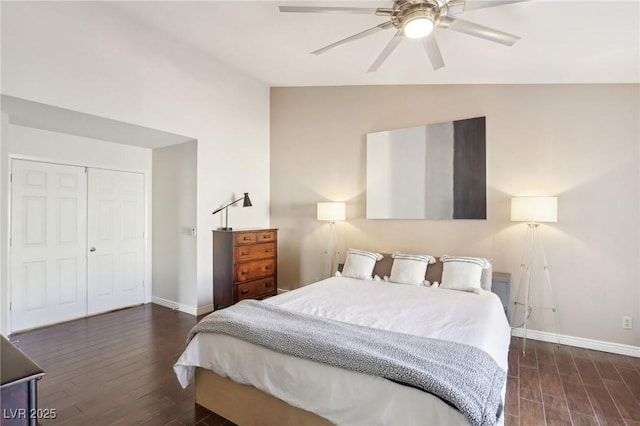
<point>417,19</point>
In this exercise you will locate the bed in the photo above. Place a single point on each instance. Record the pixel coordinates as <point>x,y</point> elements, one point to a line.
<point>250,384</point>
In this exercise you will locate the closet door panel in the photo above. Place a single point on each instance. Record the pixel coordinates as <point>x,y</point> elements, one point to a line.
<point>48,243</point>
<point>116,240</point>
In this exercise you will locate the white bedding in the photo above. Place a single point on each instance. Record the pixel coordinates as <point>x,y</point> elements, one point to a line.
<point>350,398</point>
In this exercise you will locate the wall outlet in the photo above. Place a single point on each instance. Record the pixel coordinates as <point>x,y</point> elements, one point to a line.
<point>627,322</point>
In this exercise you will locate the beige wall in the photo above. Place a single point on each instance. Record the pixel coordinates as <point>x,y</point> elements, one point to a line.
<point>580,143</point>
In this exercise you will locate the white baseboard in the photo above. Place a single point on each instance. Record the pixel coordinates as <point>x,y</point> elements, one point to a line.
<point>580,342</point>
<point>282,290</point>
<point>202,310</point>
<point>187,309</point>
<point>174,305</point>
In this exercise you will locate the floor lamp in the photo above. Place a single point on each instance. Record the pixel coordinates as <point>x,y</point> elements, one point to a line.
<point>533,210</point>
<point>331,212</point>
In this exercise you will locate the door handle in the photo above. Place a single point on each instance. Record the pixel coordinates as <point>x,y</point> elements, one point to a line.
<point>92,249</point>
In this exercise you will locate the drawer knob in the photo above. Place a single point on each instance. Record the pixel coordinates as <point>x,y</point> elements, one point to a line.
<point>245,272</point>
<point>244,253</point>
<point>266,237</point>
<point>269,284</point>
<point>268,250</point>
<point>268,267</point>
<point>244,291</point>
<point>246,238</point>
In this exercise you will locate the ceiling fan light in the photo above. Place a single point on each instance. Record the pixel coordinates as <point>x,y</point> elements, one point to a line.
<point>418,25</point>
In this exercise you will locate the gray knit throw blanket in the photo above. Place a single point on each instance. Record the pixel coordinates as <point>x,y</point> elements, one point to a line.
<point>462,375</point>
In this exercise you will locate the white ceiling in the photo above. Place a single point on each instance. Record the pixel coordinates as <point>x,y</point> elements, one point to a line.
<point>562,42</point>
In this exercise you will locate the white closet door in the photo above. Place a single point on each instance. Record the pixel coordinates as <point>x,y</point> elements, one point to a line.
<point>48,243</point>
<point>115,240</point>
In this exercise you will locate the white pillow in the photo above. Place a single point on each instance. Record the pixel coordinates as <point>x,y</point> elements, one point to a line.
<point>487,275</point>
<point>359,264</point>
<point>462,273</point>
<point>409,268</point>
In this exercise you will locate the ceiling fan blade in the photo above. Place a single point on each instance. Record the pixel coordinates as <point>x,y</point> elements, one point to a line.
<point>397,38</point>
<point>322,9</point>
<point>459,6</point>
<point>433,51</point>
<point>364,33</point>
<point>477,30</point>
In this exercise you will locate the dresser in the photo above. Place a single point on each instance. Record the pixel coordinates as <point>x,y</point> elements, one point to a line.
<point>244,265</point>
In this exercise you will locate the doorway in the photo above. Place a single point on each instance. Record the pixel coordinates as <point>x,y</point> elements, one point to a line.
<point>77,242</point>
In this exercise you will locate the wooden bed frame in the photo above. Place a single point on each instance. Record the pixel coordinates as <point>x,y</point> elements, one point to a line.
<point>247,405</point>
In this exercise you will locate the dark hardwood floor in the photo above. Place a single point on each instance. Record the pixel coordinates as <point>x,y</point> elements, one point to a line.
<point>116,368</point>
<point>571,386</point>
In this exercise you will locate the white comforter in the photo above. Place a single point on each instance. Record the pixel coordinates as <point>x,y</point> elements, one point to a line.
<point>345,397</point>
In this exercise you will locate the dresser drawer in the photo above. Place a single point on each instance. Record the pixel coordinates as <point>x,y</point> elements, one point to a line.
<point>241,238</point>
<point>256,269</point>
<point>266,236</point>
<point>253,237</point>
<point>256,289</point>
<point>255,252</point>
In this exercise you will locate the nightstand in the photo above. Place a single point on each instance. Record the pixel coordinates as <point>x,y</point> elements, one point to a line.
<point>501,285</point>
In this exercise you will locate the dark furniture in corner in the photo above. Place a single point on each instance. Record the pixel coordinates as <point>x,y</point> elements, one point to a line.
<point>18,393</point>
<point>244,265</point>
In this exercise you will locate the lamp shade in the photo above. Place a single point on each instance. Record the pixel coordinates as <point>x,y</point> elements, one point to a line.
<point>246,200</point>
<point>534,209</point>
<point>331,211</point>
